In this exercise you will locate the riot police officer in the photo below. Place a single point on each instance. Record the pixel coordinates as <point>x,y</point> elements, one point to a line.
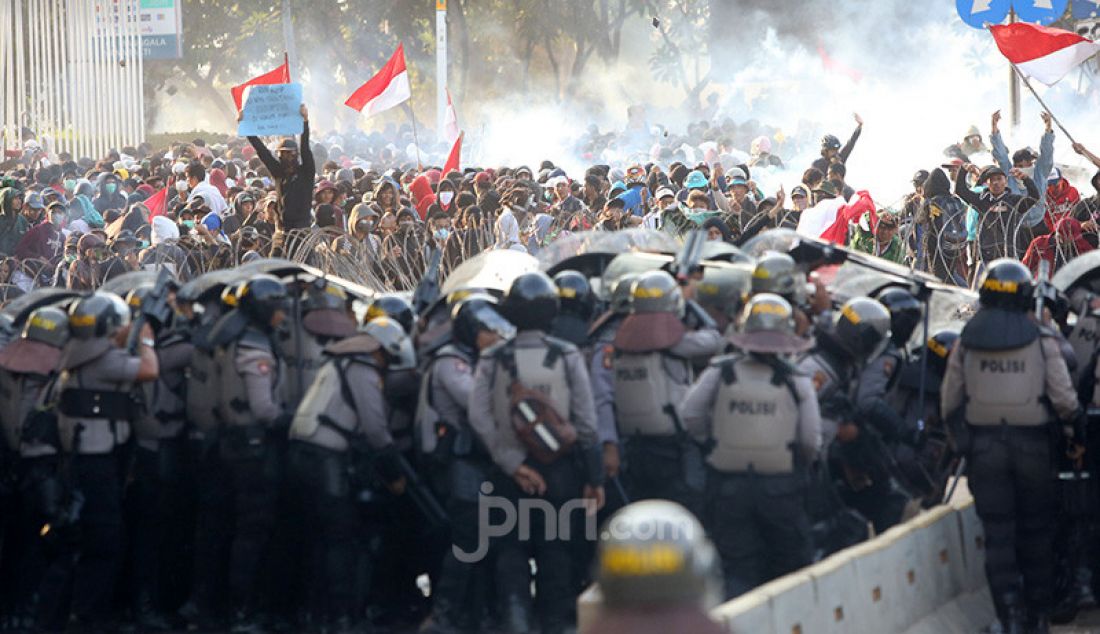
<point>602,375</point>
<point>339,428</point>
<point>531,405</point>
<point>460,462</point>
<point>577,305</point>
<point>325,318</point>
<point>652,370</point>
<point>779,274</point>
<point>28,369</point>
<point>252,420</point>
<point>722,293</point>
<point>759,418</point>
<point>658,573</point>
<point>1008,376</point>
<point>95,411</point>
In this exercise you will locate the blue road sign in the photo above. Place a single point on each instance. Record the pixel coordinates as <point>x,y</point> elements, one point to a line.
<point>977,12</point>
<point>1086,9</point>
<point>1039,11</point>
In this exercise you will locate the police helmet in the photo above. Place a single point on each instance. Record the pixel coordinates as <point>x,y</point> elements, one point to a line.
<point>830,142</point>
<point>1006,284</point>
<point>777,273</point>
<point>655,552</point>
<point>136,296</point>
<point>768,312</point>
<point>48,325</point>
<point>656,292</point>
<point>575,294</point>
<point>229,294</point>
<point>862,328</point>
<point>724,289</point>
<point>100,314</point>
<point>476,313</point>
<point>324,296</point>
<point>905,313</point>
<point>394,307</point>
<point>938,348</point>
<point>532,302</point>
<point>261,297</point>
<point>621,297</point>
<point>393,341</point>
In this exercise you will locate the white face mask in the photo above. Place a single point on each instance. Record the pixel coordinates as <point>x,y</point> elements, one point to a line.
<point>446,197</point>
<point>181,186</point>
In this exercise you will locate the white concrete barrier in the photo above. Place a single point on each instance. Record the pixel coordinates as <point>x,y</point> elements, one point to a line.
<point>923,577</point>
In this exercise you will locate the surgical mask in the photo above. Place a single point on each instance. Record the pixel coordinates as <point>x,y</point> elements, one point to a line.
<point>1029,171</point>
<point>441,234</point>
<point>110,188</point>
<point>181,186</point>
<point>446,197</point>
<point>70,257</point>
<point>144,244</point>
<point>190,224</point>
<point>70,184</point>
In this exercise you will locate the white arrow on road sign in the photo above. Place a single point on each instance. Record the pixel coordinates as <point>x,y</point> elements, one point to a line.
<point>982,5</point>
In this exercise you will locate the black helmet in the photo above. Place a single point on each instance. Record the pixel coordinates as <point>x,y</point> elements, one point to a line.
<point>98,315</point>
<point>48,325</point>
<point>531,303</point>
<point>830,142</point>
<point>655,552</point>
<point>575,294</point>
<point>475,313</point>
<point>394,307</point>
<point>905,313</point>
<point>862,327</point>
<point>260,297</point>
<point>1006,284</point>
<point>324,296</point>
<point>938,348</point>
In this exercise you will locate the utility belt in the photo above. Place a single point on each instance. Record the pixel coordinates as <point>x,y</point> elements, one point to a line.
<point>328,469</point>
<point>242,442</point>
<point>728,482</point>
<point>456,441</point>
<point>84,403</point>
<point>680,447</point>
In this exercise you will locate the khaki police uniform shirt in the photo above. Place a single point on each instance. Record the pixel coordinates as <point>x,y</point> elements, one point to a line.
<point>368,410</point>
<point>115,371</point>
<point>697,410</point>
<point>260,372</point>
<point>452,383</point>
<point>1058,385</point>
<point>167,392</point>
<point>505,448</point>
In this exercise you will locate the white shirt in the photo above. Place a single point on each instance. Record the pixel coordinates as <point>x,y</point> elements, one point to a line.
<point>211,195</point>
<point>507,229</point>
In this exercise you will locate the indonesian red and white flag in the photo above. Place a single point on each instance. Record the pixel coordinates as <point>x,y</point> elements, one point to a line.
<point>387,89</point>
<point>450,120</point>
<point>280,75</point>
<point>1041,52</point>
<point>157,203</point>
<point>454,158</point>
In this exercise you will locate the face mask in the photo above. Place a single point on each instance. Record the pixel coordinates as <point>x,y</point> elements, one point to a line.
<point>144,244</point>
<point>406,223</point>
<point>70,184</point>
<point>1029,171</point>
<point>181,186</point>
<point>70,257</point>
<point>190,224</point>
<point>441,234</point>
<point>446,197</point>
<point>110,188</point>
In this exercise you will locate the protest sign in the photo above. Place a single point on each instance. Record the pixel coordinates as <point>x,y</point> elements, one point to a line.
<point>271,110</point>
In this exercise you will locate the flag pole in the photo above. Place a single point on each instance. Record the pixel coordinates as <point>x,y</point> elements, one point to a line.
<point>416,138</point>
<point>1042,103</point>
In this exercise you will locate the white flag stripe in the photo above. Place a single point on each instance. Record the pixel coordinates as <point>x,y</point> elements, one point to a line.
<point>396,93</point>
<point>1052,67</point>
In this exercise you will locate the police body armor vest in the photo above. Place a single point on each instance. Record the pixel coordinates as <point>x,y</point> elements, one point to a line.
<point>308,366</point>
<point>426,414</point>
<point>1006,386</point>
<point>203,388</point>
<point>233,407</point>
<point>164,398</point>
<point>755,421</point>
<point>643,392</point>
<point>541,369</point>
<point>1085,339</point>
<point>328,402</point>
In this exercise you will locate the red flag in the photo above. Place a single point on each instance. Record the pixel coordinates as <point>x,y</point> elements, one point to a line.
<point>455,156</point>
<point>280,75</point>
<point>156,203</point>
<point>838,231</point>
<point>388,88</point>
<point>1042,52</point>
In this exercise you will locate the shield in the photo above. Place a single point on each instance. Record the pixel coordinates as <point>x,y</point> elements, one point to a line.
<point>271,266</point>
<point>127,282</point>
<point>1081,271</point>
<point>21,308</point>
<point>590,251</point>
<point>199,286</point>
<point>771,240</point>
<point>624,264</point>
<point>723,251</point>
<point>489,270</point>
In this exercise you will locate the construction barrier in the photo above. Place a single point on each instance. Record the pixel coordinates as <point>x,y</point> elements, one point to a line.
<point>922,577</point>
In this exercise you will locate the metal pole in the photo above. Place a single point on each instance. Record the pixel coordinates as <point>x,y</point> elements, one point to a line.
<point>21,75</point>
<point>288,39</point>
<point>140,70</point>
<point>1013,86</point>
<point>5,80</point>
<point>440,68</point>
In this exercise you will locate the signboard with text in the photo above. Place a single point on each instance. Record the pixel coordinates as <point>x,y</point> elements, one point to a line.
<point>158,21</point>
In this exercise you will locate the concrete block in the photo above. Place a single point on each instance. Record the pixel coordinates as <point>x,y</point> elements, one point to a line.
<point>939,573</point>
<point>747,614</point>
<point>973,543</point>
<point>837,592</point>
<point>793,604</point>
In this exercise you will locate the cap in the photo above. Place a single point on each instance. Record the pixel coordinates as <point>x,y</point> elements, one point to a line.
<point>737,177</point>
<point>287,145</point>
<point>1055,176</point>
<point>482,177</point>
<point>800,190</point>
<point>695,180</point>
<point>955,162</point>
<point>665,192</point>
<point>1026,154</point>
<point>34,201</point>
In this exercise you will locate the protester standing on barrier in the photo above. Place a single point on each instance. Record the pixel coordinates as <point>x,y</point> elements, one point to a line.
<point>1008,382</point>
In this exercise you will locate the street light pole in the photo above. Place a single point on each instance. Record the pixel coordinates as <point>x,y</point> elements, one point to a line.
<point>440,68</point>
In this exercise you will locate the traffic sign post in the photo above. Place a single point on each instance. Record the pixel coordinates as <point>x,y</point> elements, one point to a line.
<point>977,13</point>
<point>1040,11</point>
<point>1086,9</point>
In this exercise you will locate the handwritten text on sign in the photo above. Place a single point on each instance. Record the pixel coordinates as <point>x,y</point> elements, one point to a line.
<point>271,110</point>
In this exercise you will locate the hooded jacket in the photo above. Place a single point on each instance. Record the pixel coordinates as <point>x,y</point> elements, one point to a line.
<point>295,189</point>
<point>104,200</point>
<point>12,223</point>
